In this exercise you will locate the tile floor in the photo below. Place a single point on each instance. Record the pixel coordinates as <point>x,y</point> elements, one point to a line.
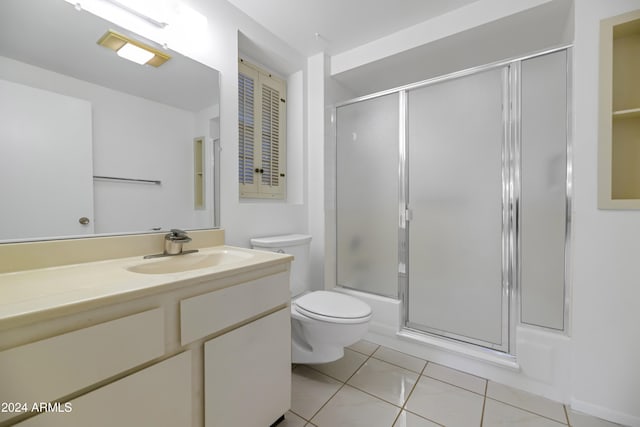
<point>375,386</point>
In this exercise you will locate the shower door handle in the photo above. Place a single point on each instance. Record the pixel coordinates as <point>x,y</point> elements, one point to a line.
<point>407,215</point>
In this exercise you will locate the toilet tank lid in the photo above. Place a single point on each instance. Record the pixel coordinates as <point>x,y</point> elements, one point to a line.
<point>280,241</point>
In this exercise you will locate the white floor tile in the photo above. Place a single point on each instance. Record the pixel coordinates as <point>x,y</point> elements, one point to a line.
<point>364,347</point>
<point>380,379</point>
<point>445,404</point>
<point>292,420</point>
<point>454,377</point>
<point>343,368</point>
<point>578,419</point>
<point>310,390</point>
<point>498,414</point>
<point>527,401</point>
<point>401,359</point>
<point>384,380</point>
<point>407,419</point>
<point>353,408</point>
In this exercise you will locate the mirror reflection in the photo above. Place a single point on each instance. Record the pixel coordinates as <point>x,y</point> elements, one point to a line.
<point>92,143</point>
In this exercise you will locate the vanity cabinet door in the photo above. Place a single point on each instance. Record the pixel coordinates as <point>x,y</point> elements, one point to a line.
<point>158,396</point>
<point>247,373</point>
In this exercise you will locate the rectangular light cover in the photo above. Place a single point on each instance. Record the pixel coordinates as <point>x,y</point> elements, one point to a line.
<point>135,54</point>
<point>124,45</point>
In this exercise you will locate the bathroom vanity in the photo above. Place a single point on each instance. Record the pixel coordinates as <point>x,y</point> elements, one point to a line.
<point>108,343</point>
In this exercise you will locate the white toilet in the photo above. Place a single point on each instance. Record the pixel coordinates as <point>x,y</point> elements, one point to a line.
<point>323,323</point>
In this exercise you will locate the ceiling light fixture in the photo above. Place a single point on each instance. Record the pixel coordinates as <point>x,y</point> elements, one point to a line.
<point>133,50</point>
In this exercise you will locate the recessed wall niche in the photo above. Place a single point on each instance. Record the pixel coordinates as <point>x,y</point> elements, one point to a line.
<point>619,134</point>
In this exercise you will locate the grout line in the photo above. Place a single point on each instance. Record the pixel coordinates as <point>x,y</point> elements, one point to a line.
<point>402,408</point>
<point>338,379</point>
<point>381,399</point>
<point>529,411</point>
<point>566,414</point>
<point>325,403</point>
<point>484,404</point>
<point>297,414</point>
<point>402,367</point>
<point>359,367</point>
<point>374,396</point>
<point>484,401</point>
<point>344,383</point>
<point>457,386</point>
<point>365,354</point>
<point>398,351</point>
<point>308,420</point>
<point>486,381</point>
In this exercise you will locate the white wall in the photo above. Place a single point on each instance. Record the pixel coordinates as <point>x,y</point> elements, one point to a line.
<point>606,247</point>
<point>296,139</point>
<point>135,138</point>
<point>316,70</point>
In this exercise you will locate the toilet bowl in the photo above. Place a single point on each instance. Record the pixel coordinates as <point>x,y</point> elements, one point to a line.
<point>323,323</point>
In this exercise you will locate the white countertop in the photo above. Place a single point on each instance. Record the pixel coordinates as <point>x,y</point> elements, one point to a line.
<point>69,288</point>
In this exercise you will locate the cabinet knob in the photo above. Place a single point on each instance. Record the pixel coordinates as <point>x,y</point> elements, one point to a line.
<point>84,220</point>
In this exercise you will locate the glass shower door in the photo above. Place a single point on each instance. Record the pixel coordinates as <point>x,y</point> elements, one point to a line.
<point>367,195</point>
<point>458,194</point>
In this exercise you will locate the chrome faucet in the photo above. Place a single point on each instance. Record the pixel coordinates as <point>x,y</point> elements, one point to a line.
<point>173,242</point>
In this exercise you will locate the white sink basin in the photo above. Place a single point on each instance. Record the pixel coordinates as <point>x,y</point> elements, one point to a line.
<point>188,262</point>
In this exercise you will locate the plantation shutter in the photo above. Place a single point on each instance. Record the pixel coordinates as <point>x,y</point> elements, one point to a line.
<point>247,81</point>
<point>261,134</point>
<point>270,143</point>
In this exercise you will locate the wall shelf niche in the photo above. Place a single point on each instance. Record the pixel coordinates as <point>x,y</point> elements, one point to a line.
<point>619,134</point>
<point>198,173</point>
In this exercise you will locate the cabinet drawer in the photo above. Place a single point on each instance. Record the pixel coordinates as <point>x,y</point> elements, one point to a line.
<point>206,314</point>
<point>158,396</point>
<point>49,369</point>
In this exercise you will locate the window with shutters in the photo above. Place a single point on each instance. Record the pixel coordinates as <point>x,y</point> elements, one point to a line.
<point>261,127</point>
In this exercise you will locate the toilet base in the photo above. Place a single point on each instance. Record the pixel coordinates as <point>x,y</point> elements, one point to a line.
<point>314,342</point>
<point>299,354</point>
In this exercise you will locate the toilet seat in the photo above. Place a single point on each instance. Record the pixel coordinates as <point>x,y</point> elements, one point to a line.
<point>332,307</point>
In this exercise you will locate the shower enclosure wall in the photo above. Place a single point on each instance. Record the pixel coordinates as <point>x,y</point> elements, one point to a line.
<point>453,195</point>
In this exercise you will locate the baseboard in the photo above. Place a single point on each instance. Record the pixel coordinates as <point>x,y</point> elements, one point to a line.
<point>605,413</point>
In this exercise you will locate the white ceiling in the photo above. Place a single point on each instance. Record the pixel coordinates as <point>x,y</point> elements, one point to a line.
<point>340,24</point>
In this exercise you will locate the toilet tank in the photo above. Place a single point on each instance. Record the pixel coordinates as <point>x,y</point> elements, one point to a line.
<point>293,244</point>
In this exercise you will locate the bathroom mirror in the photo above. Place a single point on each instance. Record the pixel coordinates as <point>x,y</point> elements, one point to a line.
<point>94,144</point>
